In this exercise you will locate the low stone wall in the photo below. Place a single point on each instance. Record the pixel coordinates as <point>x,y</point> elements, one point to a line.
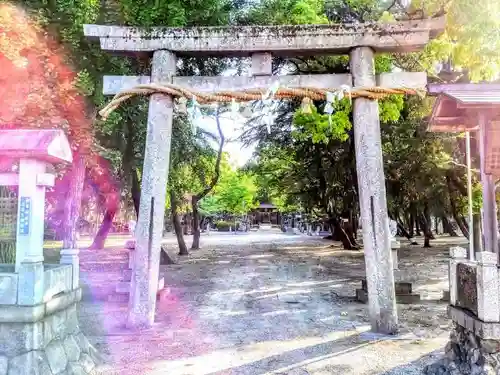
<point>467,353</point>
<point>45,339</point>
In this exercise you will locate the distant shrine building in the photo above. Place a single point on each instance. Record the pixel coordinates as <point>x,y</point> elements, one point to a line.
<point>265,213</point>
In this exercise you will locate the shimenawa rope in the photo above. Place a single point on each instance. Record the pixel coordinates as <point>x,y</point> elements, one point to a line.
<point>373,93</point>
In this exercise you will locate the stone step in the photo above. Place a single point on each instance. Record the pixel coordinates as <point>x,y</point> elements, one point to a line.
<point>123,287</point>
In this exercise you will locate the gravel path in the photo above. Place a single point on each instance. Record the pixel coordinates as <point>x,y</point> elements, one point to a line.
<point>267,304</point>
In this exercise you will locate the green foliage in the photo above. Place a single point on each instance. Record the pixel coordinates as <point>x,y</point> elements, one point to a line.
<point>321,127</point>
<point>223,226</point>
<point>211,205</point>
<point>471,39</point>
<point>236,193</point>
<point>287,12</point>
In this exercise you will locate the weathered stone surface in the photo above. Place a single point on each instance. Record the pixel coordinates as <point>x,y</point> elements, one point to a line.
<point>467,354</point>
<point>83,342</point>
<point>71,257</point>
<point>58,324</point>
<point>149,229</point>
<point>95,356</point>
<point>71,348</point>
<point>8,289</point>
<point>48,332</point>
<point>467,287</point>
<point>31,363</point>
<point>87,363</point>
<point>287,41</point>
<point>56,356</point>
<point>30,289</point>
<point>76,369</point>
<point>4,362</point>
<point>372,197</point>
<point>18,338</point>
<point>57,279</point>
<point>72,325</point>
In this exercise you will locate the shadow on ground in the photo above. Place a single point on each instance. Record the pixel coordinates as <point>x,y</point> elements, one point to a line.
<point>282,307</point>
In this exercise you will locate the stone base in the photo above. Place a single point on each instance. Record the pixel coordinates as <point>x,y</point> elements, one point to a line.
<point>404,299</point>
<point>473,349</point>
<point>466,353</point>
<point>404,293</point>
<point>265,226</point>
<point>45,339</point>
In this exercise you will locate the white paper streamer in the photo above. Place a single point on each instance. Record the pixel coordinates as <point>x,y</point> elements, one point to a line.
<point>194,113</point>
<point>235,107</point>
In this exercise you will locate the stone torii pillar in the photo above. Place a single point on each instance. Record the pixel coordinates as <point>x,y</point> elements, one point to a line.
<point>372,197</point>
<point>149,229</point>
<point>261,42</point>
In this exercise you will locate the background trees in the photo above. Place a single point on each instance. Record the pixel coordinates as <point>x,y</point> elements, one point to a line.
<point>307,161</point>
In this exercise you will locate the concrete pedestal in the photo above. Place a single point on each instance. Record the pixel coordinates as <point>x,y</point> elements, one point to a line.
<point>395,245</point>
<point>45,339</point>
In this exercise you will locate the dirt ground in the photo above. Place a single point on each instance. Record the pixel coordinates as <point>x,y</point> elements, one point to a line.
<point>267,304</point>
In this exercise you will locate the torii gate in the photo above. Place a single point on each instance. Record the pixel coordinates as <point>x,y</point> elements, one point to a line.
<point>360,41</point>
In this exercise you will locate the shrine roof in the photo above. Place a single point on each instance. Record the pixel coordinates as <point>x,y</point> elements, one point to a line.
<point>283,40</point>
<point>266,205</point>
<point>50,145</point>
<point>455,106</point>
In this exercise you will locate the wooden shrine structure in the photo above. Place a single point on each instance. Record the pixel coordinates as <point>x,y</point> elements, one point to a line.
<point>475,279</point>
<point>472,107</point>
<point>360,41</point>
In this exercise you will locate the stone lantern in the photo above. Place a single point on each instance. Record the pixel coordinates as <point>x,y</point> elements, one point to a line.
<point>39,330</point>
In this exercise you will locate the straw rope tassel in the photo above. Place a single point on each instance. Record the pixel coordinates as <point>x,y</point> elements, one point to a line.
<point>373,93</point>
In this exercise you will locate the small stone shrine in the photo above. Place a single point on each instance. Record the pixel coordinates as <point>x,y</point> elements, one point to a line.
<point>39,330</point>
<point>474,346</point>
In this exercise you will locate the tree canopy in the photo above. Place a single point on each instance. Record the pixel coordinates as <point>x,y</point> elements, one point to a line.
<point>307,160</point>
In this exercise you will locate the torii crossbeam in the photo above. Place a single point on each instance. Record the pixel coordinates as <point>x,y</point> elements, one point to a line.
<point>360,41</point>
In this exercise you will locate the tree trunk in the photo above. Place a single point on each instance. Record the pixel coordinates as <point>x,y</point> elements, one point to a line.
<point>165,259</point>
<point>343,233</point>
<point>73,202</point>
<point>196,224</point>
<point>185,227</point>
<point>451,189</point>
<point>426,228</point>
<point>428,221</point>
<point>417,227</point>
<point>411,225</point>
<point>478,238</point>
<point>464,228</point>
<point>177,226</point>
<point>405,233</point>
<point>448,228</point>
<point>102,233</point>
<point>136,192</point>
